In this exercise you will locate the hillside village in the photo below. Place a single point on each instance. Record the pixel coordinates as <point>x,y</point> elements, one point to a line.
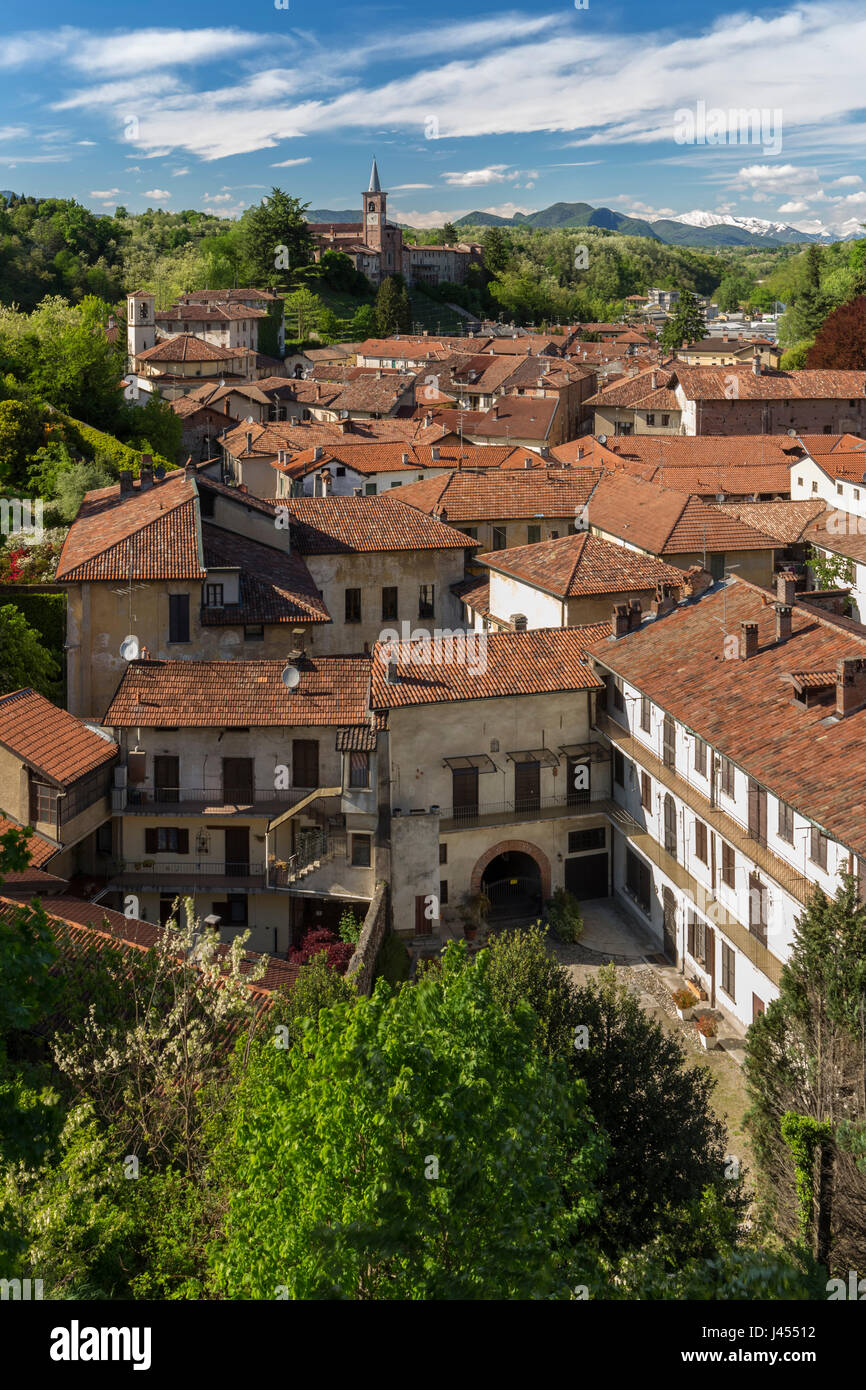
<point>446,634</point>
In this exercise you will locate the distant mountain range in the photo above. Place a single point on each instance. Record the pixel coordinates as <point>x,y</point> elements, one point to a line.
<point>695,228</point>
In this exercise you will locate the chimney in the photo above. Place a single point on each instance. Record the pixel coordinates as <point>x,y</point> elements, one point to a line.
<point>494,411</point>
<point>635,613</point>
<point>544,450</point>
<point>756,364</point>
<point>145,477</point>
<point>786,587</point>
<point>619,620</point>
<point>850,685</point>
<point>428,419</point>
<point>249,441</point>
<point>188,469</point>
<point>126,482</point>
<point>654,381</point>
<point>663,602</point>
<point>748,640</point>
<point>784,614</point>
<point>391,673</point>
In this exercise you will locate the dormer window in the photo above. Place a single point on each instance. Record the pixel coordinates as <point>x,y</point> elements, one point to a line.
<point>213,595</point>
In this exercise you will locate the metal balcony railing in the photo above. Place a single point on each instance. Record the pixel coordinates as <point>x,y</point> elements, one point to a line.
<point>525,808</point>
<point>186,868</point>
<point>148,798</point>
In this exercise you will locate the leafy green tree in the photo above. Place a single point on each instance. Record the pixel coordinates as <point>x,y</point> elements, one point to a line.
<point>24,660</point>
<point>495,250</point>
<point>274,223</point>
<point>364,324</point>
<point>303,311</point>
<point>328,328</point>
<point>688,324</point>
<point>830,571</point>
<point>795,358</point>
<point>449,234</point>
<point>413,1146</point>
<point>20,434</point>
<point>805,1058</point>
<point>72,483</point>
<point>393,311</point>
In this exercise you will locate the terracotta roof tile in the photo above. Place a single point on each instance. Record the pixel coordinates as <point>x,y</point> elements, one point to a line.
<point>148,535</point>
<point>461,497</point>
<point>714,383</point>
<point>785,521</point>
<point>665,522</point>
<point>50,740</point>
<point>275,586</point>
<point>347,525</point>
<point>582,565</point>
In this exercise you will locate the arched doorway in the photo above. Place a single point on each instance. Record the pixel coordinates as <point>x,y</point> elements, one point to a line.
<point>512,882</point>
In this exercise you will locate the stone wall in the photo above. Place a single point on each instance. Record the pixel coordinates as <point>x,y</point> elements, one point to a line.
<point>370,940</point>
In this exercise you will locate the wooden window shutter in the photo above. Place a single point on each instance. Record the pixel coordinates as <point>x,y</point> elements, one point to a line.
<point>691,940</point>
<point>150,841</point>
<point>183,842</point>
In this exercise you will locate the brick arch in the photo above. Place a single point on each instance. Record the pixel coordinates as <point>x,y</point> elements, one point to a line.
<point>518,846</point>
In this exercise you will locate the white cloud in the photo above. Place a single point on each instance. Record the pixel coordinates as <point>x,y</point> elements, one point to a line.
<point>847,181</point>
<point>104,192</point>
<point>405,187</point>
<point>85,142</point>
<point>796,206</point>
<point>144,49</point>
<point>158,194</point>
<point>287,163</point>
<point>179,173</point>
<point>476,178</point>
<point>12,132</point>
<point>217,198</point>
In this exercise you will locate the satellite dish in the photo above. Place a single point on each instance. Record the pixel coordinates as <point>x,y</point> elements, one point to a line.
<point>222,381</point>
<point>129,648</point>
<point>290,677</point>
<point>792,433</point>
<point>250,420</point>
<point>601,438</point>
<point>720,497</point>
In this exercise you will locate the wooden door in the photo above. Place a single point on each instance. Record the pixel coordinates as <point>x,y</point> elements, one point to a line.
<point>305,762</point>
<point>527,786</point>
<point>166,779</point>
<point>670,826</point>
<point>464,793</point>
<point>423,923</point>
<point>238,781</point>
<point>669,920</point>
<point>757,812</point>
<point>669,742</point>
<point>237,851</point>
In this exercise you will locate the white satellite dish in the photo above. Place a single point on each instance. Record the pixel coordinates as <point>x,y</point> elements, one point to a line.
<point>250,420</point>
<point>601,438</point>
<point>129,648</point>
<point>720,497</point>
<point>290,677</point>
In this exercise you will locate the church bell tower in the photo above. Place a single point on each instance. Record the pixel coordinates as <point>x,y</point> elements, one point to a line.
<point>374,213</point>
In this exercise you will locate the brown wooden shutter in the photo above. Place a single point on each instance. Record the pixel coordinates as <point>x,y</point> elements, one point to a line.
<point>691,934</point>
<point>150,841</point>
<point>183,842</point>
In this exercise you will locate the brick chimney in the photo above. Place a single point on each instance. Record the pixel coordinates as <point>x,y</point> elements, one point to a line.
<point>784,614</point>
<point>654,380</point>
<point>850,685</point>
<point>635,614</point>
<point>619,619</point>
<point>145,477</point>
<point>786,587</point>
<point>664,602</point>
<point>494,411</point>
<point>748,640</point>
<point>696,581</point>
<point>126,482</point>
<point>756,364</point>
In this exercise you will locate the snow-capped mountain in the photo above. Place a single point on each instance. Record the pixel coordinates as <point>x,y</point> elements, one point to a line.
<point>758,226</point>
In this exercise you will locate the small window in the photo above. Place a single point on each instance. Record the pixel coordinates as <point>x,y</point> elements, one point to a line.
<point>389,603</point>
<point>370,489</point>
<point>786,822</point>
<point>618,698</point>
<point>728,865</point>
<point>726,776</point>
<point>533,535</point>
<point>103,838</point>
<point>554,535</point>
<point>701,841</point>
<point>799,482</point>
<point>178,617</point>
<point>359,768</point>
<point>839,489</point>
<point>395,484</point>
<point>856,494</point>
<point>361,851</point>
<point>729,957</point>
<point>471,532</point>
<point>500,540</point>
<point>814,487</point>
<point>582,840</point>
<point>646,791</point>
<point>618,767</point>
<point>443,892</point>
<point>645,708</point>
<point>213,595</point>
<point>700,757</point>
<point>353,605</point>
<point>206,501</point>
<point>254,632</point>
<point>426,601</point>
<point>818,847</point>
<point>340,471</point>
<point>443,853</point>
<point>666,419</point>
<point>651,419</point>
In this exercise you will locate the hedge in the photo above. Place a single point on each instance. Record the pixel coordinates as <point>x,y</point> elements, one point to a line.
<point>91,441</point>
<point>47,614</point>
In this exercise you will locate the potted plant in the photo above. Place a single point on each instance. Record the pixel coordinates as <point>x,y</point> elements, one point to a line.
<point>706,1027</point>
<point>685,1002</point>
<point>473,913</point>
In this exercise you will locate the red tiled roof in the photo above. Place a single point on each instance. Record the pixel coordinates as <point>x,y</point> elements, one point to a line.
<point>39,848</point>
<point>785,521</point>
<point>275,585</point>
<point>714,383</point>
<point>665,522</point>
<point>185,347</point>
<point>218,694</point>
<point>50,740</point>
<point>346,525</point>
<point>468,497</point>
<point>514,663</point>
<point>581,564</point>
<point>146,535</point>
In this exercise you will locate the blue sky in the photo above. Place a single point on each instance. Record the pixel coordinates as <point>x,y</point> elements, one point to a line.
<point>503,108</point>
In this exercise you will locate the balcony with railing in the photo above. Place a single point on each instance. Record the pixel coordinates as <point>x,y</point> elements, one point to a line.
<point>196,874</point>
<point>142,799</point>
<point>729,826</point>
<point>525,808</point>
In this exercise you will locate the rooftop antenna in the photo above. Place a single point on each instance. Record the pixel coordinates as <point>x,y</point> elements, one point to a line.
<point>127,590</point>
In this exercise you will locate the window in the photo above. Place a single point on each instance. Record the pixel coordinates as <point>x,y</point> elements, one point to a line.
<point>43,803</point>
<point>254,632</point>
<point>814,487</point>
<point>533,535</point>
<point>618,699</point>
<point>651,419</point>
<point>361,851</point>
<point>786,822</point>
<point>166,839</point>
<point>696,939</point>
<point>818,847</point>
<point>443,892</point>
<point>471,532</point>
<point>669,743</point>
<point>554,535</point>
<point>305,762</point>
<point>856,494</point>
<point>359,769</point>
<point>340,471</point>
<point>443,853</point>
<point>389,603</point>
<point>758,908</point>
<point>645,708</point>
<point>666,419</point>
<point>234,911</point>
<point>646,791</point>
<point>370,489</point>
<point>618,767</point>
<point>103,839</point>
<point>701,842</point>
<point>426,601</point>
<point>580,840</point>
<point>178,617</point>
<point>206,503</point>
<point>729,957</point>
<point>395,484</point>
<point>353,605</point>
<point>700,757</point>
<point>638,880</point>
<point>213,595</point>
<point>728,865</point>
<point>726,776</point>
<point>839,489</point>
<point>670,819</point>
<point>500,540</point>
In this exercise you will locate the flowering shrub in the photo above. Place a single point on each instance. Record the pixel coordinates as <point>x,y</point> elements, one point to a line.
<point>338,953</point>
